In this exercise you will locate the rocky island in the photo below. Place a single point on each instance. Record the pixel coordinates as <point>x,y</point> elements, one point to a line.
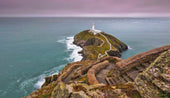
<point>103,74</point>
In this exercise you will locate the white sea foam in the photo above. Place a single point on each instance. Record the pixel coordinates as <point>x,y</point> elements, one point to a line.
<point>74,56</point>
<point>41,78</point>
<point>40,81</point>
<point>129,48</point>
<point>61,41</point>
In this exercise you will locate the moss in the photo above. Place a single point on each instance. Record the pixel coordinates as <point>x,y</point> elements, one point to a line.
<point>60,91</point>
<point>78,88</point>
<point>48,95</point>
<point>104,88</point>
<point>109,73</point>
<point>163,95</point>
<point>117,78</point>
<point>129,89</point>
<point>75,73</point>
<point>82,79</point>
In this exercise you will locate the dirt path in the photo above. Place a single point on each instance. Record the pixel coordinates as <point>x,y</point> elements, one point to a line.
<point>100,55</point>
<point>107,41</point>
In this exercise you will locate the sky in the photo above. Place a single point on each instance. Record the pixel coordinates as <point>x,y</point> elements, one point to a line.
<point>106,8</point>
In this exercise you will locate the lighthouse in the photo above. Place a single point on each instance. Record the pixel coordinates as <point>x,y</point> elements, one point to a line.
<point>93,30</point>
<point>93,26</point>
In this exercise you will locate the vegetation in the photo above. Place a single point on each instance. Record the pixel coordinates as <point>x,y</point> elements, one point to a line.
<point>78,87</point>
<point>92,51</point>
<point>82,79</point>
<point>109,73</point>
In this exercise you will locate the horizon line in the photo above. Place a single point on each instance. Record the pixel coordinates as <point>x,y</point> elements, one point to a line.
<point>131,15</point>
<point>85,16</point>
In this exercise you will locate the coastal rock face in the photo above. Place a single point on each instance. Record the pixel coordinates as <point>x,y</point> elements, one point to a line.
<point>105,78</point>
<point>145,75</point>
<point>60,91</point>
<point>128,69</point>
<point>93,45</point>
<point>50,79</point>
<point>95,91</point>
<point>154,82</point>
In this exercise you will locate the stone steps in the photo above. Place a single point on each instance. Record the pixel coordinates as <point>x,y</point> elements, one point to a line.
<point>125,77</point>
<point>121,79</point>
<point>101,75</point>
<point>133,74</point>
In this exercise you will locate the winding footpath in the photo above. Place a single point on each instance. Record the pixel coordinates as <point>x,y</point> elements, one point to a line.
<point>100,55</point>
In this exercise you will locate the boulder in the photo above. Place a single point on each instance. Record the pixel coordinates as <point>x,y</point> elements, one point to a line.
<point>60,91</point>
<point>114,53</point>
<point>50,79</point>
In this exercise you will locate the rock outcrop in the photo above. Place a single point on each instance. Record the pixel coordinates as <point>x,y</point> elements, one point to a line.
<point>128,69</point>
<point>154,82</point>
<point>93,45</point>
<point>144,75</point>
<point>95,69</point>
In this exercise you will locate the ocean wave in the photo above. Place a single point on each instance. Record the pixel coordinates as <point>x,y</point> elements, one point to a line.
<point>74,56</point>
<point>25,84</point>
<point>61,41</point>
<point>39,80</point>
<point>129,48</point>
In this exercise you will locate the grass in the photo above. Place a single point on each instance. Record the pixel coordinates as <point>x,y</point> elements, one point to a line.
<point>82,79</point>
<point>93,50</point>
<point>109,73</point>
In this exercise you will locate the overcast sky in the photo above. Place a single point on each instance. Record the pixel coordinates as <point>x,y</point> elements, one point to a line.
<point>84,7</point>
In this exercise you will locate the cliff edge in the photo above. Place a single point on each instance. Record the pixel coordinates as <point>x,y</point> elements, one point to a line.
<point>102,74</point>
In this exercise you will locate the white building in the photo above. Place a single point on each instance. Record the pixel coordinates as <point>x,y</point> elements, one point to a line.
<point>93,30</point>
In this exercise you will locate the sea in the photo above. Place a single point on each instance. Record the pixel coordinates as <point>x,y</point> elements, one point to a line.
<point>36,47</point>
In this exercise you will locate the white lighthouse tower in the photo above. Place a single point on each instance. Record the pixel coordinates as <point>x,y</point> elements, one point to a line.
<point>93,27</point>
<point>93,30</point>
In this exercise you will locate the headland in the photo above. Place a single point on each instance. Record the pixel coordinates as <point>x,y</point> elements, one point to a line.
<point>103,74</point>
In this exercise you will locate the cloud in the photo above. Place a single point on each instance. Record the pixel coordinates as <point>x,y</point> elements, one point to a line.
<point>77,7</point>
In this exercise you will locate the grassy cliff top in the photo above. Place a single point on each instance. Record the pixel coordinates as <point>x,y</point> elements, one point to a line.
<point>99,43</point>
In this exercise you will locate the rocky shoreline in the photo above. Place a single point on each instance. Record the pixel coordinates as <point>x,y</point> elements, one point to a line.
<point>144,75</point>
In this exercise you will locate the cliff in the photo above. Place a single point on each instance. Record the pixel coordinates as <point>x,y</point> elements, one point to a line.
<point>110,76</point>
<point>100,43</point>
<point>155,80</point>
